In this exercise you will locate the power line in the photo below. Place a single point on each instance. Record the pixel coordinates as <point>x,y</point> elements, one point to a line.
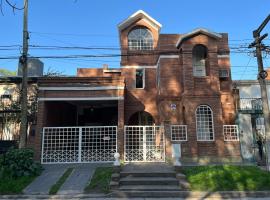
<point>245,68</point>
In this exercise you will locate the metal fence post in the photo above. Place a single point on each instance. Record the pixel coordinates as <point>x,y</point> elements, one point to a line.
<point>80,145</point>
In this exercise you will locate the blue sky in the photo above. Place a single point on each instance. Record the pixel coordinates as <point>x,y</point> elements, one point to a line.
<point>94,23</point>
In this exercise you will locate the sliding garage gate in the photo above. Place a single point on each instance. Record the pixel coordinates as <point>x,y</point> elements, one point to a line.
<point>79,144</point>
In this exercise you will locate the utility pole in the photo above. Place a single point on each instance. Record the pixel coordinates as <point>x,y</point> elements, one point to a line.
<point>24,86</point>
<point>262,74</point>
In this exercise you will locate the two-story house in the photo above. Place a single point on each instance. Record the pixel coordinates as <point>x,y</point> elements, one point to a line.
<point>170,89</point>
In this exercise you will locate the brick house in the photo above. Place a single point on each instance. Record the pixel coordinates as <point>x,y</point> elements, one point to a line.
<point>171,89</point>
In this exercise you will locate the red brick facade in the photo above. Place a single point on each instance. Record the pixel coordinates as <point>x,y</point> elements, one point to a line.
<point>169,80</point>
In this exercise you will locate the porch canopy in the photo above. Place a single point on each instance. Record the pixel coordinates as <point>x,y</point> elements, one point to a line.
<point>80,101</point>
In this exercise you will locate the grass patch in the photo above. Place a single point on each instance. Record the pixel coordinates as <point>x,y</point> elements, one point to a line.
<point>9,185</point>
<point>227,177</point>
<point>54,189</point>
<point>100,180</point>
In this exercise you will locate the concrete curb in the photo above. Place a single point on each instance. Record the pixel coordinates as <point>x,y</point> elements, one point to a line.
<point>182,194</point>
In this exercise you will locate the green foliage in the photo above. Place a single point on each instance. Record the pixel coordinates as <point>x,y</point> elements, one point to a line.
<point>20,162</point>
<point>6,72</point>
<point>54,189</point>
<point>101,180</point>
<point>2,168</point>
<point>17,170</point>
<point>225,178</point>
<point>9,185</point>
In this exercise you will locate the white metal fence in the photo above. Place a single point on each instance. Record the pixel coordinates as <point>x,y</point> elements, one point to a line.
<point>79,144</point>
<point>144,144</point>
<point>230,132</point>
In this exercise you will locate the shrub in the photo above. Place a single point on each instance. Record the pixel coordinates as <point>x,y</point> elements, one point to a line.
<point>20,162</point>
<point>2,169</point>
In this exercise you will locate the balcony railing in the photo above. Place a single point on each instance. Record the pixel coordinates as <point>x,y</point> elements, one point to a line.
<point>250,104</point>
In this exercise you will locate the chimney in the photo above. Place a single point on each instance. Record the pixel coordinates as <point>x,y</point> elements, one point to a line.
<point>105,67</point>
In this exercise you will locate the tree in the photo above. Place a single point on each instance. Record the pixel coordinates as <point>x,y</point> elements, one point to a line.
<point>6,72</point>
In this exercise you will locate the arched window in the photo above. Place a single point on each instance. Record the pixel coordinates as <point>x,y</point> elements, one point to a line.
<point>204,123</point>
<point>199,55</point>
<point>140,39</point>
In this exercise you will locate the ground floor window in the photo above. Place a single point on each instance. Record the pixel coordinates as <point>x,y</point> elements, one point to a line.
<point>204,123</point>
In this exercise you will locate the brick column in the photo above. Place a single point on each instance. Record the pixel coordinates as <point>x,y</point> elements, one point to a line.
<point>120,134</point>
<point>41,113</point>
<point>168,142</point>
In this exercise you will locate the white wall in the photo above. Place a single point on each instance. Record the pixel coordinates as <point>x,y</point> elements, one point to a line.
<point>251,90</point>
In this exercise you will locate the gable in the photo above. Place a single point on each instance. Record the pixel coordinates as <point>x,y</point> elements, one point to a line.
<point>139,15</point>
<point>197,32</point>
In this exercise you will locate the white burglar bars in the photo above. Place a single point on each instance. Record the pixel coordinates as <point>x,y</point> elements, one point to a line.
<point>230,132</point>
<point>178,133</point>
<point>79,144</point>
<point>144,144</point>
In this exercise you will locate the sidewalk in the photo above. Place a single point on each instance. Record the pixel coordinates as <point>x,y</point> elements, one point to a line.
<point>191,196</point>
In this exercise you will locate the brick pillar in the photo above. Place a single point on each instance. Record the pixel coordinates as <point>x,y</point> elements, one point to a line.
<point>168,142</point>
<point>41,113</point>
<point>120,134</point>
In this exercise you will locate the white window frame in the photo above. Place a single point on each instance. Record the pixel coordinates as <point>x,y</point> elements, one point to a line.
<point>140,43</point>
<point>185,132</point>
<point>212,121</point>
<point>230,127</point>
<point>143,69</point>
<point>199,69</point>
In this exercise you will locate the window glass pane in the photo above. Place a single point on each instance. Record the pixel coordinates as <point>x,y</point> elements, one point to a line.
<point>199,60</point>
<point>204,123</point>
<point>140,39</point>
<point>139,78</point>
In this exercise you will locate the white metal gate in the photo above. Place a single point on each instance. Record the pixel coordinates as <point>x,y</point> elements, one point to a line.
<point>79,144</point>
<point>144,144</point>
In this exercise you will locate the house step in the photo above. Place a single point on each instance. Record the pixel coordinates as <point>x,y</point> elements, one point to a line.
<point>148,194</point>
<point>149,188</point>
<point>148,181</point>
<point>147,174</point>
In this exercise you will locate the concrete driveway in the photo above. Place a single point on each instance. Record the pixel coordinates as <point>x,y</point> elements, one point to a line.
<point>75,184</point>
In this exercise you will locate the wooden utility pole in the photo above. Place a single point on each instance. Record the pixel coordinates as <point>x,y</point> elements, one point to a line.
<point>261,78</point>
<point>24,86</point>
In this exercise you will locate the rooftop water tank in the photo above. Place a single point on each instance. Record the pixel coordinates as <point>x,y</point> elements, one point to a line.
<point>35,68</point>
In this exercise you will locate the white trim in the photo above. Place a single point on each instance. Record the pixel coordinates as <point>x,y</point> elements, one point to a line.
<point>223,56</point>
<point>112,70</point>
<point>84,88</point>
<point>196,31</point>
<point>80,98</point>
<point>135,16</point>
<point>138,67</point>
<point>166,57</point>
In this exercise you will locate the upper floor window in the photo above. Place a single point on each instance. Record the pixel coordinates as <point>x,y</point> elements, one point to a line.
<point>140,39</point>
<point>140,78</point>
<point>204,123</point>
<point>199,56</point>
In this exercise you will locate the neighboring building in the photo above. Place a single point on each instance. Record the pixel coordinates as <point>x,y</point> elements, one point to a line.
<point>10,107</point>
<point>251,120</point>
<point>171,89</point>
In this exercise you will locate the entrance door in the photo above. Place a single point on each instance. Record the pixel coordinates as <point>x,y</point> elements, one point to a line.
<point>144,144</point>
